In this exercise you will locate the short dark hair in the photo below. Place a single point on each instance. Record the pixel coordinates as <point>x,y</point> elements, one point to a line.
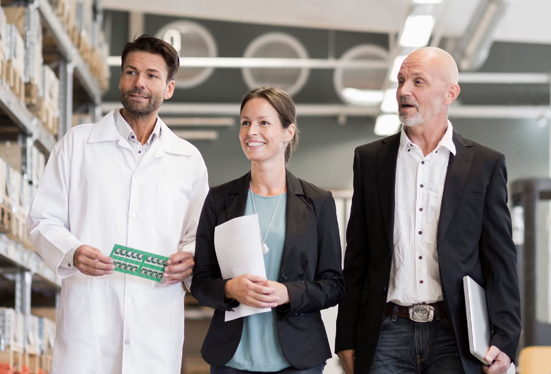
<point>285,108</point>
<point>151,44</point>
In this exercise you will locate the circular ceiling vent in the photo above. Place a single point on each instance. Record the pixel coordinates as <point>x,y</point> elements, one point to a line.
<point>276,45</point>
<point>359,85</point>
<point>190,39</point>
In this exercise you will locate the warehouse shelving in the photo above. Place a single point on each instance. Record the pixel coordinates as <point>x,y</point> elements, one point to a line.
<point>19,264</point>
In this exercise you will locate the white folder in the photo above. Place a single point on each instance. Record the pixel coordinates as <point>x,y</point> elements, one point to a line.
<point>478,322</point>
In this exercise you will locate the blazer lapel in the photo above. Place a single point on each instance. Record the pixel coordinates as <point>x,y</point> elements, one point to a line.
<point>387,155</point>
<point>456,177</point>
<point>295,211</point>
<point>237,198</point>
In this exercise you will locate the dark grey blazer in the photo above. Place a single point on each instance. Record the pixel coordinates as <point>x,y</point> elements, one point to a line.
<point>310,269</point>
<point>474,238</point>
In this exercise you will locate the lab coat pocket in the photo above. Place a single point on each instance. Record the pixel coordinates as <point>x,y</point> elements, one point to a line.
<point>170,210</point>
<point>87,308</point>
<point>166,309</point>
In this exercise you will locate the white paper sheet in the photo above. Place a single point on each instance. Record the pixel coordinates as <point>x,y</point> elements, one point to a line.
<point>239,251</point>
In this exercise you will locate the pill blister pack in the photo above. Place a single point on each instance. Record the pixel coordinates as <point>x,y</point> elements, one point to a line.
<point>139,263</point>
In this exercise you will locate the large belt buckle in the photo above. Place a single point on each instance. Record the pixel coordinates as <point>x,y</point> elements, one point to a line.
<point>421,313</point>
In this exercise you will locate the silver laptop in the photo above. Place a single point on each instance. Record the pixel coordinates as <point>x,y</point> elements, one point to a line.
<point>478,322</point>
<point>477,319</point>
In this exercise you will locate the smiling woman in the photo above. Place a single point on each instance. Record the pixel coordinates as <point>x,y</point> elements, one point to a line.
<point>303,265</point>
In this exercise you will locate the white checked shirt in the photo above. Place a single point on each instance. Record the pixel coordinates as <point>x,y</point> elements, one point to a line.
<point>127,133</point>
<point>414,275</point>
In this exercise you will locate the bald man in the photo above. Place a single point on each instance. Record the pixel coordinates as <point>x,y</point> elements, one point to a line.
<point>429,207</point>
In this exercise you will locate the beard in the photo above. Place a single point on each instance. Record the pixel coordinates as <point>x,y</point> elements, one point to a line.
<point>414,120</point>
<point>139,110</point>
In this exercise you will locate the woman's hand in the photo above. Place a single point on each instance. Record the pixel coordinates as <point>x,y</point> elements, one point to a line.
<point>281,291</point>
<point>252,290</point>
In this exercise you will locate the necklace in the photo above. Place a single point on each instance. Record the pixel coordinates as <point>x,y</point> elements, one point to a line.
<point>265,248</point>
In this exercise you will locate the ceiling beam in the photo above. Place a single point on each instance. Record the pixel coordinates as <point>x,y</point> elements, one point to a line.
<point>323,110</point>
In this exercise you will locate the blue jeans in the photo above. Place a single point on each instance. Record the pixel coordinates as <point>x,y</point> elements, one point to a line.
<point>406,347</point>
<point>318,369</point>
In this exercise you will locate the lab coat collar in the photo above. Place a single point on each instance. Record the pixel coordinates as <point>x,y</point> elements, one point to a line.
<point>105,131</point>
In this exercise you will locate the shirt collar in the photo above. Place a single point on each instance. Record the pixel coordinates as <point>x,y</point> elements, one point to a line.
<point>446,141</point>
<point>127,133</point>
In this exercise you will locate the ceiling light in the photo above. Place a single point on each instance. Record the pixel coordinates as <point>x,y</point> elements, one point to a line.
<point>396,68</point>
<point>387,124</point>
<point>474,46</point>
<point>389,104</point>
<point>198,121</point>
<point>417,31</point>
<point>357,96</point>
<point>196,135</point>
<point>427,1</point>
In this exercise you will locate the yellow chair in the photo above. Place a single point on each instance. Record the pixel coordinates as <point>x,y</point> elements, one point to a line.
<point>534,360</point>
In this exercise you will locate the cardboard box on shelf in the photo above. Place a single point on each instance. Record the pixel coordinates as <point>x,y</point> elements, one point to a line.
<point>5,198</point>
<point>15,61</point>
<point>48,107</point>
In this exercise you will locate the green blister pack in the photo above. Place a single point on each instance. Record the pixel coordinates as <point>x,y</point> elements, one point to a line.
<point>139,263</point>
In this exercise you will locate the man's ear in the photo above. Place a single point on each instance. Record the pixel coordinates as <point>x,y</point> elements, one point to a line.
<point>169,89</point>
<point>452,92</point>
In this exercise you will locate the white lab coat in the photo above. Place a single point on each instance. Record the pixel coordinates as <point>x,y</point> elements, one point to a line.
<point>92,193</point>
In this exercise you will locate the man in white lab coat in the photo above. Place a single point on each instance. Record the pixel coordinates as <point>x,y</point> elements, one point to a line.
<point>127,180</point>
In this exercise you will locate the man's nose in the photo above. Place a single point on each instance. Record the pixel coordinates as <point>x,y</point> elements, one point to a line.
<point>139,81</point>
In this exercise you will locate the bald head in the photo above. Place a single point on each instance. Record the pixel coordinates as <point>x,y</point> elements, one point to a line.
<point>443,62</point>
<point>427,86</point>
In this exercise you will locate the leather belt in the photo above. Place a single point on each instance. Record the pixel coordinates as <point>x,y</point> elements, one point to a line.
<point>417,312</point>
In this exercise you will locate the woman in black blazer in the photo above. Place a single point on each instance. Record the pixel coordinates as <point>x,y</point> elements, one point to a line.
<point>303,258</point>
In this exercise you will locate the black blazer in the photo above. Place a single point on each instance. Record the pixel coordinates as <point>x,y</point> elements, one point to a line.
<point>310,269</point>
<point>474,238</point>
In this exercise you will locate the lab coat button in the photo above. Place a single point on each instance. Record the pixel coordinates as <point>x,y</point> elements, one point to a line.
<point>126,342</point>
<point>133,215</point>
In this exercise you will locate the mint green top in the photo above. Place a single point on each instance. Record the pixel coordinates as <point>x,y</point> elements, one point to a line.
<point>259,348</point>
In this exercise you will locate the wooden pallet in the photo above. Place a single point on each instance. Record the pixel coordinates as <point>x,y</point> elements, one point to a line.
<point>14,80</point>
<point>31,358</point>
<point>12,357</point>
<point>46,362</point>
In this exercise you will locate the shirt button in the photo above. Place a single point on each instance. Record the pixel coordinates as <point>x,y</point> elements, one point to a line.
<point>133,215</point>
<point>422,186</point>
<point>422,162</point>
<point>127,342</point>
<point>421,282</point>
<point>420,209</point>
<point>420,232</point>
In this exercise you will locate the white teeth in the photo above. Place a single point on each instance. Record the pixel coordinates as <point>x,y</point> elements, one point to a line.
<point>255,144</point>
